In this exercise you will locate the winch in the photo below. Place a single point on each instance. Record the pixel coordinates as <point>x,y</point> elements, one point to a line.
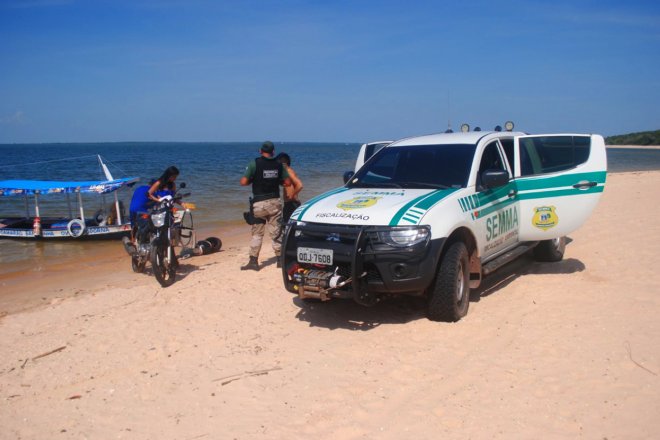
<point>318,284</point>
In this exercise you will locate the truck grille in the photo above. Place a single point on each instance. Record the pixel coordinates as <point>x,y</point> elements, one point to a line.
<point>341,239</point>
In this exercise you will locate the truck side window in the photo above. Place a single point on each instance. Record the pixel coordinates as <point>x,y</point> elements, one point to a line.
<point>539,155</point>
<point>490,160</point>
<point>507,144</point>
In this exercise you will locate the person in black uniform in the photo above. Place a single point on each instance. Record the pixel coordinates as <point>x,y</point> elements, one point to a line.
<point>265,174</point>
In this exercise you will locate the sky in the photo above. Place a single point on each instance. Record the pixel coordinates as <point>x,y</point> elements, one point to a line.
<point>323,71</point>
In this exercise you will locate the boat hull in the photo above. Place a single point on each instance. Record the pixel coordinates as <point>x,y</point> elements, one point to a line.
<point>62,233</point>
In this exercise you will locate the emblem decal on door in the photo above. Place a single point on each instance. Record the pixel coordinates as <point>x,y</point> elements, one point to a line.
<point>545,217</point>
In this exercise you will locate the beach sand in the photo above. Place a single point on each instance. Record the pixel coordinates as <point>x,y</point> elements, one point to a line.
<point>553,350</point>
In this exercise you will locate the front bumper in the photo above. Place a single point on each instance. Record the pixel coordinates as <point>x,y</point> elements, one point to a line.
<point>372,267</point>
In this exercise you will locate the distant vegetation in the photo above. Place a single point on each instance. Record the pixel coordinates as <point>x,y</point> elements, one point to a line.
<point>642,138</point>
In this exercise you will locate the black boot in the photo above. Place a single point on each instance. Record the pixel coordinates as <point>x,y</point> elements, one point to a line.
<point>253,264</point>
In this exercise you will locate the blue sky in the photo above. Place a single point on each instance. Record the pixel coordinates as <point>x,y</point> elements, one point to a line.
<point>347,71</point>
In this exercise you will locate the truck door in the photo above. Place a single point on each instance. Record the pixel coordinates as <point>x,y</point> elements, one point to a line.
<point>558,180</point>
<point>497,216</point>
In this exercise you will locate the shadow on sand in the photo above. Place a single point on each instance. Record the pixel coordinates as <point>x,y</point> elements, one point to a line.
<point>346,314</point>
<point>186,267</point>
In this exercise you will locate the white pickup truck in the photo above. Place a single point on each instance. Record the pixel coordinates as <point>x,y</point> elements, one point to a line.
<point>431,215</point>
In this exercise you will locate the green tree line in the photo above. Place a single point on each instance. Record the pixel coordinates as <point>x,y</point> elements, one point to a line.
<point>641,138</point>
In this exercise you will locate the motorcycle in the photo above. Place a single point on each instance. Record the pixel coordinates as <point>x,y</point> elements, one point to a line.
<point>158,232</point>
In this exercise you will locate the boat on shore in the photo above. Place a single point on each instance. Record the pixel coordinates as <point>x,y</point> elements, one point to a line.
<point>107,222</point>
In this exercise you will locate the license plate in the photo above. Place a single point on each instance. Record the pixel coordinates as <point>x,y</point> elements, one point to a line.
<point>314,255</point>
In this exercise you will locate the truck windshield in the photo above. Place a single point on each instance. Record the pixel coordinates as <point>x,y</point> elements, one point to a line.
<point>418,166</point>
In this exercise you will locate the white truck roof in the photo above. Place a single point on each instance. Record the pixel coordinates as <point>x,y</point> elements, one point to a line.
<point>471,137</point>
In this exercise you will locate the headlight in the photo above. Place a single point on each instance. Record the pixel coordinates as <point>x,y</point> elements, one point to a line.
<point>297,232</point>
<point>405,237</point>
<point>158,218</point>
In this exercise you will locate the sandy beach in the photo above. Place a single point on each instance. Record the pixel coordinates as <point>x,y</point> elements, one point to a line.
<point>553,350</point>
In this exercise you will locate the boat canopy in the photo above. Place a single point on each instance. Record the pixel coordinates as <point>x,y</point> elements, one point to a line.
<point>30,187</point>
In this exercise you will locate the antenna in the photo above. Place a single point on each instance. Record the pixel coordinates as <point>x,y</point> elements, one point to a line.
<point>448,112</point>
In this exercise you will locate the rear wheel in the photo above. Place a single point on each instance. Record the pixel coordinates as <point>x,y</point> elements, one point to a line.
<point>449,297</point>
<point>550,250</point>
<point>163,265</point>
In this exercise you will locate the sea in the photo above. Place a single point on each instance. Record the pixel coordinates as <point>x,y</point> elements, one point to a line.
<point>211,171</point>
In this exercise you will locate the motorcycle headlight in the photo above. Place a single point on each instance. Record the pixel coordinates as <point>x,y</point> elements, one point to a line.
<point>405,237</point>
<point>158,218</point>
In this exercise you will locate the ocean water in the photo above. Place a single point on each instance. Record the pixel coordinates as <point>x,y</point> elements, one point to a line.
<point>211,171</point>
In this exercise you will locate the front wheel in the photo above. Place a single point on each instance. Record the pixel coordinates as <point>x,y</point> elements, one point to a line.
<point>163,264</point>
<point>449,297</point>
<point>550,250</point>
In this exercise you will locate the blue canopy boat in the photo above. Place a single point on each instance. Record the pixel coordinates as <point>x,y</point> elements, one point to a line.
<point>107,222</point>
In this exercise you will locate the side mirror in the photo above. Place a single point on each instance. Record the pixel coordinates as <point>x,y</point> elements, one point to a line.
<point>182,185</point>
<point>494,178</point>
<point>348,175</point>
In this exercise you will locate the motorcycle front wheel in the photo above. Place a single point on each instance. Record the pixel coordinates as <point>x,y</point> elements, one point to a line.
<point>164,268</point>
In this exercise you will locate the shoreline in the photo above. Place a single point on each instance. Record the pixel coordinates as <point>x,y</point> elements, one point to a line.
<point>81,275</point>
<point>561,350</point>
<point>26,286</point>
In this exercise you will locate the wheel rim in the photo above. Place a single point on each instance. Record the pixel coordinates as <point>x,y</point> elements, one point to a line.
<point>460,284</point>
<point>164,265</point>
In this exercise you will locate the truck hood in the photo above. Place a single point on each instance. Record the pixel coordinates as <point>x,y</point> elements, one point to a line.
<point>370,206</point>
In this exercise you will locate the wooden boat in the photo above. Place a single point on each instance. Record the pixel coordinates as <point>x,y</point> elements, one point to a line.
<point>110,221</point>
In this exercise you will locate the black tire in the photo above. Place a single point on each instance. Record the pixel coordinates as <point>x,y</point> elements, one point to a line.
<point>100,216</point>
<point>138,264</point>
<point>205,246</point>
<point>216,243</point>
<point>449,297</point>
<point>550,250</point>
<point>164,271</point>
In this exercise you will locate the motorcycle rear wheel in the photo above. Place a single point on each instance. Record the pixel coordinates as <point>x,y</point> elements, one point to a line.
<point>164,269</point>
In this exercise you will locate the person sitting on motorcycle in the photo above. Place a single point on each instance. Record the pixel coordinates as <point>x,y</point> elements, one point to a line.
<point>144,198</point>
<point>164,185</point>
<point>140,201</point>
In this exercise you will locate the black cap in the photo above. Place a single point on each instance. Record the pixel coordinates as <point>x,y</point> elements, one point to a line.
<point>267,147</point>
